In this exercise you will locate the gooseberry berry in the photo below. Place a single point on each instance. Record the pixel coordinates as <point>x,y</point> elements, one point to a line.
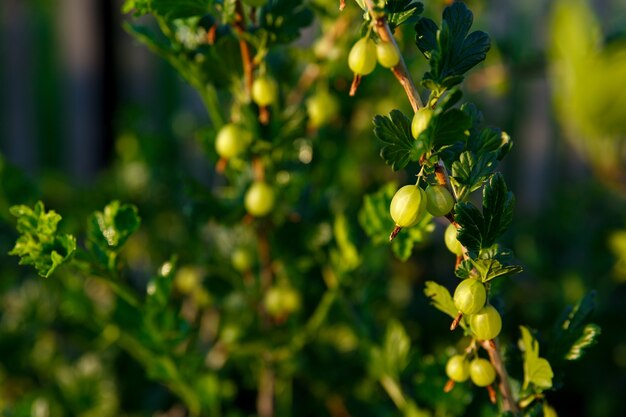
<point>232,140</point>
<point>486,323</point>
<point>280,301</point>
<point>482,372</point>
<point>321,107</point>
<point>452,243</point>
<point>440,201</point>
<point>457,368</point>
<point>387,54</point>
<point>420,121</point>
<point>264,91</point>
<point>470,296</point>
<point>259,199</point>
<point>362,57</point>
<point>408,205</point>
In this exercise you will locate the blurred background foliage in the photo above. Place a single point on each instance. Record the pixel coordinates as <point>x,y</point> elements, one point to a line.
<point>88,115</point>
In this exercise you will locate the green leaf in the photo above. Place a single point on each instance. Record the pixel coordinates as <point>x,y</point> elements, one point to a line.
<point>451,50</point>
<point>481,230</point>
<point>349,255</point>
<point>399,146</point>
<point>446,128</point>
<point>376,221</point>
<point>176,9</point>
<point>401,11</point>
<point>537,371</point>
<point>284,19</point>
<point>588,338</point>
<point>108,230</point>
<point>396,348</point>
<point>469,173</point>
<point>39,244</point>
<point>572,334</point>
<point>489,269</point>
<point>441,299</point>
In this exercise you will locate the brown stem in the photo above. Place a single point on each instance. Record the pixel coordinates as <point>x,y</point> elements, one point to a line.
<point>265,396</point>
<point>248,66</point>
<point>400,71</point>
<point>508,402</point>
<point>394,233</point>
<point>356,81</point>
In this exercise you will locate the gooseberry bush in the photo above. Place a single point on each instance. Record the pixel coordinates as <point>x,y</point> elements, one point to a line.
<point>274,311</point>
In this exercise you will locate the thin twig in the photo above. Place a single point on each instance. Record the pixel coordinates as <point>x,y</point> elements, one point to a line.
<point>508,403</point>
<point>400,71</point>
<point>248,66</point>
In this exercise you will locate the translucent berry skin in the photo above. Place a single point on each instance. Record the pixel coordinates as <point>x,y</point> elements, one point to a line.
<point>482,372</point>
<point>440,201</point>
<point>259,199</point>
<point>486,323</point>
<point>322,107</point>
<point>387,54</point>
<point>420,121</point>
<point>408,206</point>
<point>451,241</point>
<point>362,57</point>
<point>232,140</point>
<point>264,91</point>
<point>470,296</point>
<point>457,368</point>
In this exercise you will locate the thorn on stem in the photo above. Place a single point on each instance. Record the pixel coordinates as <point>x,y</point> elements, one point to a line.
<point>355,84</point>
<point>342,5</point>
<point>492,394</point>
<point>456,321</point>
<point>211,34</point>
<point>394,233</point>
<point>449,385</point>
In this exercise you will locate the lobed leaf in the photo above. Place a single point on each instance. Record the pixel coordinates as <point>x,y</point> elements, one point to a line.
<point>399,147</point>
<point>451,50</point>
<point>537,371</point>
<point>441,299</point>
<point>39,244</point>
<point>401,11</point>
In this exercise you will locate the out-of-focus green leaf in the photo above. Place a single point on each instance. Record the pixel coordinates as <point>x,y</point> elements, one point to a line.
<point>176,9</point>
<point>537,371</point>
<point>284,19</point>
<point>39,244</point>
<point>396,348</point>
<point>349,254</point>
<point>441,299</point>
<point>572,334</point>
<point>399,146</point>
<point>376,221</point>
<point>451,50</point>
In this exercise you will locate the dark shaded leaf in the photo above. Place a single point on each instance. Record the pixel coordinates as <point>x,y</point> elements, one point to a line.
<point>399,146</point>
<point>402,11</point>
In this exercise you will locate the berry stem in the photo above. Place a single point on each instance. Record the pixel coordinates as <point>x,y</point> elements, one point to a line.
<point>394,233</point>
<point>248,66</point>
<point>400,71</point>
<point>508,402</point>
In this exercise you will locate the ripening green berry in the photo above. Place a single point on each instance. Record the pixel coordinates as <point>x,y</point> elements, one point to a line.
<point>420,121</point>
<point>482,372</point>
<point>470,296</point>
<point>408,206</point>
<point>452,243</point>
<point>322,107</point>
<point>486,323</point>
<point>362,57</point>
<point>457,368</point>
<point>232,140</point>
<point>241,259</point>
<point>259,199</point>
<point>264,91</point>
<point>387,54</point>
<point>440,201</point>
<point>280,301</point>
